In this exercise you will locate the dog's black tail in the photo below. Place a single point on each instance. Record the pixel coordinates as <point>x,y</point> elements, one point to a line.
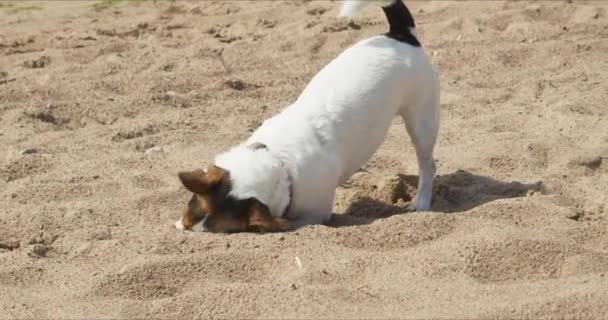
<point>400,19</point>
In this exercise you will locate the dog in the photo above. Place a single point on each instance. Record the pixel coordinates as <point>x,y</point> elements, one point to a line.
<point>285,174</point>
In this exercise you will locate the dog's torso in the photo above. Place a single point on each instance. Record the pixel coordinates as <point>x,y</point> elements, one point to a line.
<point>342,116</point>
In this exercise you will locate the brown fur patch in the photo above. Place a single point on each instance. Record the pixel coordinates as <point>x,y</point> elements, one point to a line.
<point>201,182</point>
<point>220,212</point>
<point>260,220</point>
<point>195,212</point>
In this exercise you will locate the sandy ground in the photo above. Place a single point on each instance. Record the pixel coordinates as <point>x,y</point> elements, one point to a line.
<point>100,109</point>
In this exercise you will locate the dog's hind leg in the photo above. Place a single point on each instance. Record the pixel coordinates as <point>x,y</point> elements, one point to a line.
<point>422,125</point>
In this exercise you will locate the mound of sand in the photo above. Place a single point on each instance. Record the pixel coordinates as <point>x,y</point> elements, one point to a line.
<point>101,106</point>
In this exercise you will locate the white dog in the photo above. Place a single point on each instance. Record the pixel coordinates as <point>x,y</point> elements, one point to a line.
<point>285,175</point>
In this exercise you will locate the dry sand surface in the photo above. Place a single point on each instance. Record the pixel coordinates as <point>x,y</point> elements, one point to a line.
<point>99,109</point>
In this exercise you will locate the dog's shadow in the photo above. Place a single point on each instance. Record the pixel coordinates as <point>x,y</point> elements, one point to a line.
<point>455,192</point>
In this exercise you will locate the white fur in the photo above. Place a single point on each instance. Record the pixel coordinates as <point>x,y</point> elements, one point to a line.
<point>352,7</point>
<point>257,173</point>
<point>198,227</point>
<point>336,124</point>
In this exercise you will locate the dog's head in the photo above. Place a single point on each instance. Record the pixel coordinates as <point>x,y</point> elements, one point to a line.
<point>216,207</point>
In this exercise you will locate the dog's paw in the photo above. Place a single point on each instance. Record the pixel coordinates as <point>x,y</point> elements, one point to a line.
<point>179,225</point>
<point>417,206</point>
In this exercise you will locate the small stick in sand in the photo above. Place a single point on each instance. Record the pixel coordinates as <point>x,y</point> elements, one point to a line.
<point>5,81</point>
<point>299,263</point>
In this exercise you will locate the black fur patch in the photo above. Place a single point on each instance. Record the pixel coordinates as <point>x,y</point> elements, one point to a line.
<point>257,146</point>
<point>400,20</point>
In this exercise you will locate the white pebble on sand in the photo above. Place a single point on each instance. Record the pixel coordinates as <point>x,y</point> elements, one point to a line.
<point>153,150</point>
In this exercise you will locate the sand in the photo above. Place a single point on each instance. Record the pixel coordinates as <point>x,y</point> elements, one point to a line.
<point>99,109</point>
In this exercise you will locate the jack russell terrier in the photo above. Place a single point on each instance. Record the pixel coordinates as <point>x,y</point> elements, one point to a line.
<point>285,175</point>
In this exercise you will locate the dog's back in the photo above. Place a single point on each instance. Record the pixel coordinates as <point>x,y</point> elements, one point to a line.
<point>348,106</point>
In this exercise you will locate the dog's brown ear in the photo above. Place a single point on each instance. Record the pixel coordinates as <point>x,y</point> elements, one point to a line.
<point>201,182</point>
<point>260,220</point>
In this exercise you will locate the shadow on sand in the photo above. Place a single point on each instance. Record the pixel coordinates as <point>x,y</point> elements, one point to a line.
<point>455,192</point>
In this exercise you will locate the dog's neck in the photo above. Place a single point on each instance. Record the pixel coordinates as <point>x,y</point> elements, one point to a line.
<point>255,172</point>
<point>260,146</point>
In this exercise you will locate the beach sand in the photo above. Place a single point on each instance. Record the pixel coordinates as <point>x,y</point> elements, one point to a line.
<point>100,108</point>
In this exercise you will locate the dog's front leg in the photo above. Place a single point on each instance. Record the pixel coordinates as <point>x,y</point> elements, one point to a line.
<point>306,221</point>
<point>314,212</point>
